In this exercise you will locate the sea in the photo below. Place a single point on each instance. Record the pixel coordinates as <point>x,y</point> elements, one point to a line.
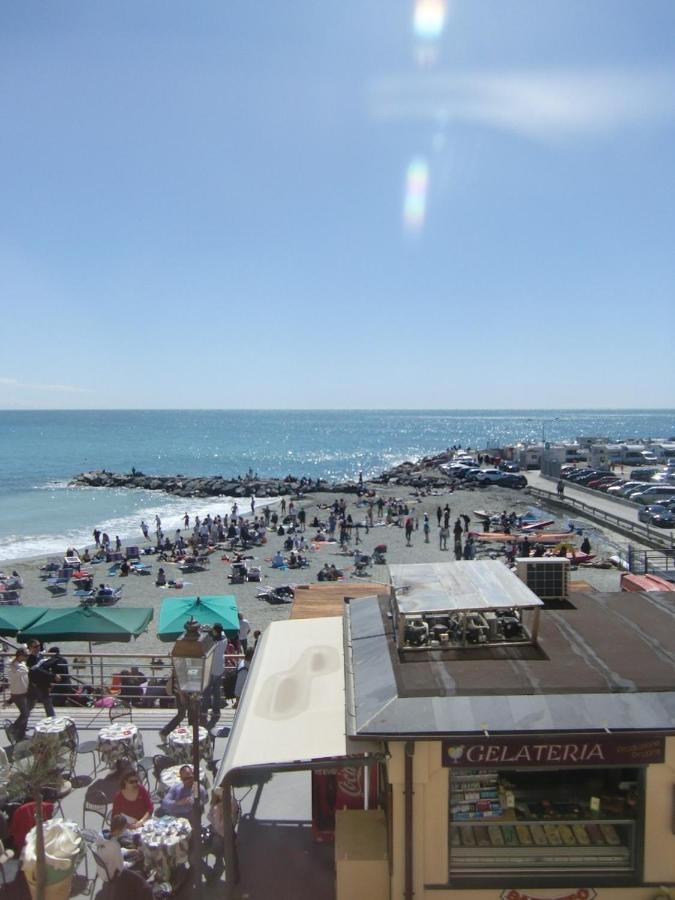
<point>41,451</point>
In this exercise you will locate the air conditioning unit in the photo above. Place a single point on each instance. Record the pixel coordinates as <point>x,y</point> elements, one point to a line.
<point>548,577</point>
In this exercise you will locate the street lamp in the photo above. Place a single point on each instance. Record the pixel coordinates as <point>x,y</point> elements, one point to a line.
<point>192,658</point>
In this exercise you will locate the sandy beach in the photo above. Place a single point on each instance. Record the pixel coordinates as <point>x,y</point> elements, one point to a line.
<point>141,590</point>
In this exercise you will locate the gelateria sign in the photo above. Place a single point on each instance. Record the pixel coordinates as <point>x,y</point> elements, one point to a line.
<point>579,894</point>
<point>562,750</point>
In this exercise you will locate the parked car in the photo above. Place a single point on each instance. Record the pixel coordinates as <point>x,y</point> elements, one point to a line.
<point>605,485</point>
<point>472,474</point>
<point>657,514</point>
<point>507,466</point>
<point>622,490</point>
<point>512,480</point>
<point>595,483</point>
<point>653,494</point>
<point>490,476</point>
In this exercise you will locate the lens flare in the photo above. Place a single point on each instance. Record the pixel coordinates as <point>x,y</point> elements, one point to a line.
<point>417,186</point>
<point>429,19</point>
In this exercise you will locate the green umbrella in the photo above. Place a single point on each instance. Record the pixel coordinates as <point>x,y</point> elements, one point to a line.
<point>175,612</point>
<point>89,623</point>
<point>15,618</point>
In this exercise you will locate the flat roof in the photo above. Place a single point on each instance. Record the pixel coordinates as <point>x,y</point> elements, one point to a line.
<point>327,598</point>
<point>606,662</point>
<point>457,586</point>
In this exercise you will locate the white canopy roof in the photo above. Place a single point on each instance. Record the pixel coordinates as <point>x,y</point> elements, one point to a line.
<point>293,706</point>
<point>455,586</point>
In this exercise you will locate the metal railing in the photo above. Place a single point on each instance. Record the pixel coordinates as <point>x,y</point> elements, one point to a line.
<point>645,533</point>
<point>136,679</point>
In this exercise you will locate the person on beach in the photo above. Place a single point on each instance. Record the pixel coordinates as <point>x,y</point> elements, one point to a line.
<point>145,530</point>
<point>18,691</point>
<point>466,519</point>
<point>408,531</point>
<point>561,488</point>
<point>426,528</point>
<point>97,537</point>
<point>186,520</point>
<point>439,515</point>
<point>443,534</point>
<point>242,675</point>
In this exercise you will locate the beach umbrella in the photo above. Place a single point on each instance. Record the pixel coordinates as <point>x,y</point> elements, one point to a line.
<point>89,623</point>
<point>14,619</point>
<point>175,612</point>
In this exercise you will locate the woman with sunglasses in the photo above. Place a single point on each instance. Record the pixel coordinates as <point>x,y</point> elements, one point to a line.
<point>132,800</point>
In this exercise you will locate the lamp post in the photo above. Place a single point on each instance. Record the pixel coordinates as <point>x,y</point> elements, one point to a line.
<point>192,658</point>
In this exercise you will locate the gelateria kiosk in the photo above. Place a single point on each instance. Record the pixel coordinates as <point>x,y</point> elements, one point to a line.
<point>534,762</point>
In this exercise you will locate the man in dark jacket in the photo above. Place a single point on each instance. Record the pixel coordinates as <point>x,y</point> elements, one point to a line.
<point>40,677</point>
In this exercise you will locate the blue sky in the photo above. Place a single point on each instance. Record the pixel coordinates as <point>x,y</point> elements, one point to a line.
<point>357,204</point>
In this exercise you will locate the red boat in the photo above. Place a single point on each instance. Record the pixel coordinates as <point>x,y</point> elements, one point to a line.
<point>630,582</point>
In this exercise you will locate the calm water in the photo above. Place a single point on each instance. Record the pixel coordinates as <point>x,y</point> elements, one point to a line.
<point>41,451</point>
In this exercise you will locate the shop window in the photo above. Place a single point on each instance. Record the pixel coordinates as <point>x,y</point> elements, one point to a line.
<point>547,824</point>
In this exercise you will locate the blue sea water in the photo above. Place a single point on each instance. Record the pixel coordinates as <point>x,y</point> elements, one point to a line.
<point>41,451</point>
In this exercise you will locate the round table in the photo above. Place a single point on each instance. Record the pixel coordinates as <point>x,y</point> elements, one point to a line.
<point>170,776</point>
<point>119,741</point>
<point>61,728</point>
<point>165,844</point>
<point>179,744</point>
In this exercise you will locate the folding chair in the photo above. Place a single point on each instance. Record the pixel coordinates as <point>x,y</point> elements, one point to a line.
<point>95,802</point>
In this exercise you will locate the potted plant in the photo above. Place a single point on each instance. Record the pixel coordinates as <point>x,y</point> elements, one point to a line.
<point>30,775</point>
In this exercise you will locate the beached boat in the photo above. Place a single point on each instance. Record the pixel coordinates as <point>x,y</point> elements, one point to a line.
<point>537,537</point>
<point>630,582</point>
<point>533,526</point>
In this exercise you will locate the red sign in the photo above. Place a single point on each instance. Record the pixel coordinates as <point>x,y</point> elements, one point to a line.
<point>579,894</point>
<point>561,751</point>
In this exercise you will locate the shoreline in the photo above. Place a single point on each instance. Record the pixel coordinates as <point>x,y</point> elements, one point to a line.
<point>141,590</point>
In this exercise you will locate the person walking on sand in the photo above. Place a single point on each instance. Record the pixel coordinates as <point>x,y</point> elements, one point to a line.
<point>186,520</point>
<point>443,534</point>
<point>561,488</point>
<point>408,531</point>
<point>439,515</point>
<point>466,519</point>
<point>426,528</point>
<point>145,530</point>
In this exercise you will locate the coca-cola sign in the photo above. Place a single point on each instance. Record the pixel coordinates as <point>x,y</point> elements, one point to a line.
<point>563,750</point>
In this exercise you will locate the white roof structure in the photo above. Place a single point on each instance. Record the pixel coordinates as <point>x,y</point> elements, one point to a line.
<point>456,586</point>
<point>292,709</point>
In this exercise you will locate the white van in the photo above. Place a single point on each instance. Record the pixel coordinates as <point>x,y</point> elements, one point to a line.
<point>655,494</point>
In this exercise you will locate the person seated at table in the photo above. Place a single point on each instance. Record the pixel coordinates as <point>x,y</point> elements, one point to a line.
<point>132,801</point>
<point>109,849</point>
<point>179,800</point>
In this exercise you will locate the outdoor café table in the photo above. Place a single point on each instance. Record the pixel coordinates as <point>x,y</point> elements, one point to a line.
<point>165,844</point>
<point>61,728</point>
<point>171,776</point>
<point>119,741</point>
<point>179,744</point>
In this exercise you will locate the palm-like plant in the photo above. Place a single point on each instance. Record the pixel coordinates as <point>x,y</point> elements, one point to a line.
<point>30,775</point>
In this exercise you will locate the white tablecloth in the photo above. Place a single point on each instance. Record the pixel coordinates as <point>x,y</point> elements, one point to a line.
<point>179,744</point>
<point>119,741</point>
<point>165,844</point>
<point>61,728</point>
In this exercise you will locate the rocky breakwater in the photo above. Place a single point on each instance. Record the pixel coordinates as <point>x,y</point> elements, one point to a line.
<point>424,473</point>
<point>210,486</point>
